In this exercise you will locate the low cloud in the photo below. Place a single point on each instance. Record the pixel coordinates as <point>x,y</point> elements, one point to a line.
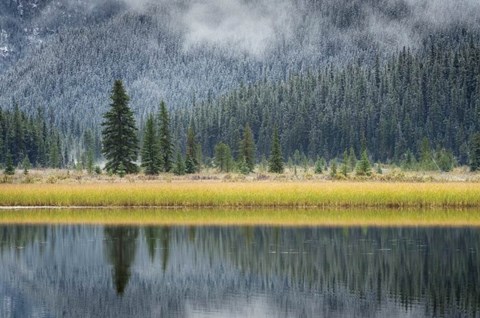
<point>250,27</point>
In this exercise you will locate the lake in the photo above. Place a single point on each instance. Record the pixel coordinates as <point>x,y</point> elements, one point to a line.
<point>88,270</point>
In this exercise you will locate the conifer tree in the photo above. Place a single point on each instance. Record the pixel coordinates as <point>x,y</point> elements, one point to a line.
<point>276,158</point>
<point>352,159</point>
<point>223,157</point>
<point>475,152</point>
<point>247,148</point>
<point>120,142</point>
<point>179,168</point>
<point>9,167</point>
<point>26,165</point>
<point>426,159</point>
<point>333,168</point>
<point>90,161</point>
<point>191,164</point>
<point>165,139</point>
<point>345,163</point>
<point>150,149</point>
<point>318,166</point>
<point>364,167</point>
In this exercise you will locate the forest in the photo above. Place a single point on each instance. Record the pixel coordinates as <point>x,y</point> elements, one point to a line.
<point>418,111</point>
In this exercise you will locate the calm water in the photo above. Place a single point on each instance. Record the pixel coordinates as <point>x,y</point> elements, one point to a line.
<point>99,271</point>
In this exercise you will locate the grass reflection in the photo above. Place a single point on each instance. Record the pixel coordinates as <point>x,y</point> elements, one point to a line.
<point>246,217</point>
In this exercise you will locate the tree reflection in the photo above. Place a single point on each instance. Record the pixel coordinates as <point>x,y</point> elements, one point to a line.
<point>152,236</point>
<point>120,249</point>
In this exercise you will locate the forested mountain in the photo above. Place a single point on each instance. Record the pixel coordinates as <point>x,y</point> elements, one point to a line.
<point>392,107</point>
<point>63,56</point>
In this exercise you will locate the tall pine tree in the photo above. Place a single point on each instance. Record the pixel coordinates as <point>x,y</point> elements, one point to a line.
<point>276,159</point>
<point>120,142</point>
<point>150,149</point>
<point>191,163</point>
<point>475,152</point>
<point>247,149</point>
<point>165,139</point>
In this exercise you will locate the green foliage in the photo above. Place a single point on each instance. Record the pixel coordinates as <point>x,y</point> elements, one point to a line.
<point>319,164</point>
<point>166,144</point>
<point>333,168</point>
<point>352,159</point>
<point>26,165</point>
<point>247,149</point>
<point>363,167</point>
<point>223,157</point>
<point>445,160</point>
<point>90,162</point>
<point>54,153</point>
<point>345,164</point>
<point>179,168</point>
<point>426,157</point>
<point>151,149</point>
<point>276,158</point>
<point>243,167</point>
<point>121,171</point>
<point>98,170</point>
<point>9,167</point>
<point>120,142</point>
<point>409,162</point>
<point>191,163</point>
<point>475,152</point>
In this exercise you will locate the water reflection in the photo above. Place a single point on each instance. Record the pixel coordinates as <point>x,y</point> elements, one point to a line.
<point>120,248</point>
<point>94,271</point>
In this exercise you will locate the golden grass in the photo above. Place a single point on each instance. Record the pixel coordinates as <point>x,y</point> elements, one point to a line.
<point>244,194</point>
<point>245,217</point>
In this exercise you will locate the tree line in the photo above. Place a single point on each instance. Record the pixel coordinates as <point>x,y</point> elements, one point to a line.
<point>121,148</point>
<point>121,145</point>
<point>29,141</point>
<point>414,108</point>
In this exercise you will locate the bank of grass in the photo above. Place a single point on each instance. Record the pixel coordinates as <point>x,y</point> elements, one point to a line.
<point>244,194</point>
<point>245,217</point>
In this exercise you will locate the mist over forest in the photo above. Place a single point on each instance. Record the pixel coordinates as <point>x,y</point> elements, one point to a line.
<point>63,56</point>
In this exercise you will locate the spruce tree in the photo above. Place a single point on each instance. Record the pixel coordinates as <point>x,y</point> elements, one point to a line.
<point>165,139</point>
<point>363,167</point>
<point>475,152</point>
<point>191,164</point>
<point>120,142</point>
<point>318,166</point>
<point>90,161</point>
<point>247,149</point>
<point>276,158</point>
<point>345,163</point>
<point>9,167</point>
<point>150,149</point>
<point>426,159</point>
<point>223,157</point>
<point>179,168</point>
<point>26,165</point>
<point>333,168</point>
<point>352,159</point>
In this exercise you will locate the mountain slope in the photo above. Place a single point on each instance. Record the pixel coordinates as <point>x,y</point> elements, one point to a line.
<point>68,53</point>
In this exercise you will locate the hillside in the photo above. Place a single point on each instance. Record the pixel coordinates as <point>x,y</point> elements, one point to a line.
<point>63,56</point>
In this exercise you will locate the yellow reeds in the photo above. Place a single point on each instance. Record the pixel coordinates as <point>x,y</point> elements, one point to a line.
<point>244,194</point>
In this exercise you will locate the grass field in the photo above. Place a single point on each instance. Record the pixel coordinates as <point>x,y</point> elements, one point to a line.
<point>245,217</point>
<point>244,194</point>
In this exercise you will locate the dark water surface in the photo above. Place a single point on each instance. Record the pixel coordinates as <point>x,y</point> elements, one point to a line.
<point>101,271</point>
